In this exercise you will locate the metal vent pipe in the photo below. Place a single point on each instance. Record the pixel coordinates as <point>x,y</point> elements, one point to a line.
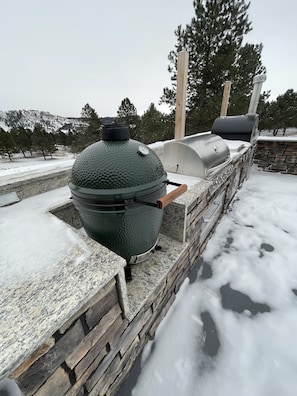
<point>258,82</point>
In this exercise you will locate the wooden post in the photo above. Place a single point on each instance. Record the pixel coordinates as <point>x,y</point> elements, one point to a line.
<point>181,93</point>
<point>226,96</point>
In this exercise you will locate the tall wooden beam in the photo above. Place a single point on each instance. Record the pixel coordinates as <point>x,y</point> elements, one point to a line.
<point>181,94</point>
<point>225,100</point>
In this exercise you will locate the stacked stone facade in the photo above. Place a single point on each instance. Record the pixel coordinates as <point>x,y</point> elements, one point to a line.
<point>92,353</point>
<point>277,155</point>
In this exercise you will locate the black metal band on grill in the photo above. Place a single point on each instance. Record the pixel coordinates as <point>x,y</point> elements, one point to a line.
<point>97,204</point>
<point>102,206</point>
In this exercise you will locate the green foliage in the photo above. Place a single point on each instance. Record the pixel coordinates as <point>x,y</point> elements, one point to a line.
<point>62,138</point>
<point>87,134</point>
<point>127,114</point>
<point>43,141</point>
<point>7,146</point>
<point>92,121</point>
<point>154,126</point>
<point>79,141</point>
<point>22,139</point>
<point>216,54</point>
<point>248,64</point>
<point>279,113</point>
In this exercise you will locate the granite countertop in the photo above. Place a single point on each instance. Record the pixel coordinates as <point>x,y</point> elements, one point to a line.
<point>41,290</point>
<point>49,270</point>
<point>46,279</point>
<point>149,274</point>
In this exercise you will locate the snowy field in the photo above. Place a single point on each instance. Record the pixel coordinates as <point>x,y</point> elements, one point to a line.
<point>288,132</point>
<point>20,165</point>
<point>232,329</point>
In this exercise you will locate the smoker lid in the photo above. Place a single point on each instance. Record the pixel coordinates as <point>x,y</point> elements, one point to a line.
<point>242,127</point>
<point>198,155</point>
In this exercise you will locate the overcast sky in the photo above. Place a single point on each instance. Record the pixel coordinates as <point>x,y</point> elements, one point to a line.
<point>58,55</point>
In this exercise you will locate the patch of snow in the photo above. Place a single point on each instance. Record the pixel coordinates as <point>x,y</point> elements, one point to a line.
<point>190,181</point>
<point>32,239</point>
<point>34,165</point>
<point>278,138</point>
<point>288,132</point>
<point>27,168</point>
<point>156,145</point>
<point>4,126</point>
<point>236,145</point>
<point>254,250</point>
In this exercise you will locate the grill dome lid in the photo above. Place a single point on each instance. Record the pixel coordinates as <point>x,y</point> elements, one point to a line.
<point>116,164</point>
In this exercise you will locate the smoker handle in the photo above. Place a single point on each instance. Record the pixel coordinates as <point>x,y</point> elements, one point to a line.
<point>168,198</point>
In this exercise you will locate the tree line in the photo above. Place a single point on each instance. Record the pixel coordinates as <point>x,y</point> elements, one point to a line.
<point>280,113</point>
<point>24,140</point>
<point>151,126</point>
<point>218,51</point>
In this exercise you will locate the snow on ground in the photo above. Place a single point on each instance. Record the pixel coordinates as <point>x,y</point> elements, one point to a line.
<point>21,165</point>
<point>232,330</point>
<point>280,132</point>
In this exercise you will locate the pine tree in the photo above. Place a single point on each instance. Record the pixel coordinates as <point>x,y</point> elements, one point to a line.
<point>7,146</point>
<point>22,139</point>
<point>93,122</point>
<point>279,113</point>
<point>287,108</point>
<point>127,114</point>
<point>152,125</point>
<point>214,41</point>
<point>88,133</point>
<point>43,141</point>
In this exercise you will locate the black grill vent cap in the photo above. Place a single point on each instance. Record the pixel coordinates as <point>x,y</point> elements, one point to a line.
<point>115,132</point>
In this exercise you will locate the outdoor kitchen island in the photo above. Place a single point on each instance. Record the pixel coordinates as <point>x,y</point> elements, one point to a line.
<point>75,327</point>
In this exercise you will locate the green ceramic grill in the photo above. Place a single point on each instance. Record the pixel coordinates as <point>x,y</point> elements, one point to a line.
<point>118,186</point>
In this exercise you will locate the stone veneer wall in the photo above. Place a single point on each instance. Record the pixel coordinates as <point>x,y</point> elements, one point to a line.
<point>277,155</point>
<point>195,213</point>
<point>93,352</point>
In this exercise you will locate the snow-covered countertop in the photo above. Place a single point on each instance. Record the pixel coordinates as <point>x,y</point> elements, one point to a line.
<point>48,271</point>
<point>237,148</point>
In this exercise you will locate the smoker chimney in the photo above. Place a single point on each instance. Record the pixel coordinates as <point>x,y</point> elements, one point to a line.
<point>258,82</point>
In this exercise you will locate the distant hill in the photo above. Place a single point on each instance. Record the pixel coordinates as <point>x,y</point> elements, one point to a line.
<point>28,119</point>
<point>51,123</point>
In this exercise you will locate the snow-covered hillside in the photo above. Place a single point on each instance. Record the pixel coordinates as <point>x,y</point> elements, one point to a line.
<point>28,119</point>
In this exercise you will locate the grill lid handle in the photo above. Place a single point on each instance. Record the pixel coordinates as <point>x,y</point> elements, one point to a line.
<point>168,198</point>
